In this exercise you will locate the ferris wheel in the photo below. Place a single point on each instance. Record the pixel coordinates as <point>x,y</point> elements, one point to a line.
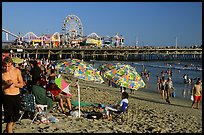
<point>72,27</point>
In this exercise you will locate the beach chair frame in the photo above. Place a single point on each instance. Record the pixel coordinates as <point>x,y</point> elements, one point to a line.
<point>38,108</point>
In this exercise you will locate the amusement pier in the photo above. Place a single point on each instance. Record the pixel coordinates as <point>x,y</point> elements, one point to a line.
<point>108,53</point>
<point>71,43</point>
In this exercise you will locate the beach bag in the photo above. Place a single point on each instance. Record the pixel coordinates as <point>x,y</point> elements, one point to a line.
<point>53,119</point>
<point>192,98</point>
<point>93,115</point>
<point>74,113</point>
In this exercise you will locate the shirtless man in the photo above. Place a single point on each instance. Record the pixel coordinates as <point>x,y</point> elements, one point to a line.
<point>11,82</point>
<point>197,93</point>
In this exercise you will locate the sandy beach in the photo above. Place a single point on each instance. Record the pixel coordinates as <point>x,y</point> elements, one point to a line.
<point>147,113</point>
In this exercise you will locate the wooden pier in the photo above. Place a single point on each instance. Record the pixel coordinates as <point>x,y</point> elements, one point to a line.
<point>125,53</point>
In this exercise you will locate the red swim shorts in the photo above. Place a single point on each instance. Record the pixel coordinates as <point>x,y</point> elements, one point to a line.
<point>197,98</point>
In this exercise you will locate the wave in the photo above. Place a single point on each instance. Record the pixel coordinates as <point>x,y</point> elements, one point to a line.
<point>195,68</point>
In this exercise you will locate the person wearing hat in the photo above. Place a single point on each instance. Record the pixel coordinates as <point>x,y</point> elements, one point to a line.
<point>168,89</point>
<point>58,95</point>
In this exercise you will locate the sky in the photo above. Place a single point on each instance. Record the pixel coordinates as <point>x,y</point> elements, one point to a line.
<point>149,23</point>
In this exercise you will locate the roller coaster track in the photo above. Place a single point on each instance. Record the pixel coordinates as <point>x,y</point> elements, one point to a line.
<point>10,33</point>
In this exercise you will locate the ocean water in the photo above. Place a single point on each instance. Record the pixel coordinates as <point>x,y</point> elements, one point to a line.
<point>192,68</point>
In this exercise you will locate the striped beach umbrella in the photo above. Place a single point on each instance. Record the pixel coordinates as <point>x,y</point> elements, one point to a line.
<point>63,85</point>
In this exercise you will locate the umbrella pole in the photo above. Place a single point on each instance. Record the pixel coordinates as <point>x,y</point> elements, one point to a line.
<point>79,98</point>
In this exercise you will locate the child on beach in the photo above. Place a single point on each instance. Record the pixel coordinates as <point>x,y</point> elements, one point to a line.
<point>121,107</point>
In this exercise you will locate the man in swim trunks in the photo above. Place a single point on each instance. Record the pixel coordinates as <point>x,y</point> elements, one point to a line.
<point>11,82</point>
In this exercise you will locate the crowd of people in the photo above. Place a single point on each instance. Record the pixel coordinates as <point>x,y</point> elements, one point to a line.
<point>37,78</point>
<point>30,77</point>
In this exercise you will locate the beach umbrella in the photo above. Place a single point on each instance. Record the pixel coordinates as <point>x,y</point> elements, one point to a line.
<point>17,60</point>
<point>106,67</point>
<point>125,76</point>
<point>63,85</point>
<point>81,70</point>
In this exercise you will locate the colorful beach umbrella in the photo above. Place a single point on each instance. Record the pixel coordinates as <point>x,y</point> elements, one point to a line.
<point>81,70</point>
<point>125,76</point>
<point>63,85</point>
<point>106,67</point>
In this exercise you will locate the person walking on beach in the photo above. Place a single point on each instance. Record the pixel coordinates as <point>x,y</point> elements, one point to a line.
<point>163,84</point>
<point>158,84</point>
<point>11,82</point>
<point>168,89</point>
<point>197,93</point>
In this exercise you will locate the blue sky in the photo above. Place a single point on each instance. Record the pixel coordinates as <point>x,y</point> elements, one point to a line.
<point>153,23</point>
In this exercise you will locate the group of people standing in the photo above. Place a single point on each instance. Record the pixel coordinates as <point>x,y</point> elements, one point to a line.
<point>165,87</point>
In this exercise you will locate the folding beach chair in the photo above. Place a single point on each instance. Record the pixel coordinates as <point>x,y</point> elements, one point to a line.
<point>120,114</point>
<point>28,104</point>
<point>40,110</point>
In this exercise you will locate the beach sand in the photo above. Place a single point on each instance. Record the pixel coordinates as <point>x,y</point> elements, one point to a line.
<point>147,113</point>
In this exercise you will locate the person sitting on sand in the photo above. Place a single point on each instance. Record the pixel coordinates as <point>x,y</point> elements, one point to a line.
<point>58,95</point>
<point>121,107</point>
<point>40,94</point>
<point>197,93</point>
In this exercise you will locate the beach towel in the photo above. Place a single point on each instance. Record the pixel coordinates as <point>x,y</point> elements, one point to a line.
<point>76,103</point>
